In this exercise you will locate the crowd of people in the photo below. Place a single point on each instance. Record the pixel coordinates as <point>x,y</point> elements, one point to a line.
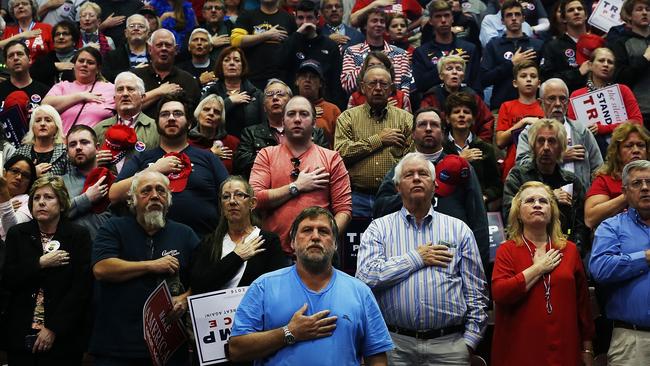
<point>216,144</point>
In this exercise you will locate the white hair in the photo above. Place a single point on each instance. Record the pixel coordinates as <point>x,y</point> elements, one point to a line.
<point>211,98</point>
<point>140,17</point>
<point>128,75</point>
<point>159,31</point>
<point>552,81</point>
<point>408,157</point>
<point>50,111</point>
<point>135,182</point>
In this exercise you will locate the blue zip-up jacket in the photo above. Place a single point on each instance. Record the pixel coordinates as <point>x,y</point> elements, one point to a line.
<point>496,67</point>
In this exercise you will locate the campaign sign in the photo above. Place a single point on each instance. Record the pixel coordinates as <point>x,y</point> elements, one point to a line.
<point>351,241</point>
<point>606,15</point>
<point>603,105</point>
<point>497,235</point>
<point>14,121</point>
<point>162,337</point>
<point>212,316</point>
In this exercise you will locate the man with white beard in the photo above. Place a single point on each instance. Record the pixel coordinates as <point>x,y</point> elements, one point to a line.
<point>131,256</point>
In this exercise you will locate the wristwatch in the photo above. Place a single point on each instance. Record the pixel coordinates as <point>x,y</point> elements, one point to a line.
<point>289,339</point>
<point>293,190</point>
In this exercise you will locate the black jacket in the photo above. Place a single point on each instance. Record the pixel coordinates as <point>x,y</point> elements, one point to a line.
<point>67,288</point>
<point>486,169</point>
<point>117,61</point>
<point>297,48</point>
<point>239,116</point>
<point>209,275</point>
<point>44,71</point>
<point>255,138</point>
<point>559,61</point>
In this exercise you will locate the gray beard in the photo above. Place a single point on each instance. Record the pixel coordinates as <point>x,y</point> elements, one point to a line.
<point>154,220</point>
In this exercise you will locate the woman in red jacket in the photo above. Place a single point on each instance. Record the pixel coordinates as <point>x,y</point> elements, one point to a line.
<point>539,287</point>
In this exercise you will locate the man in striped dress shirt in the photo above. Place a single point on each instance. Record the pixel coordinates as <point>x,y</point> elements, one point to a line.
<point>425,270</point>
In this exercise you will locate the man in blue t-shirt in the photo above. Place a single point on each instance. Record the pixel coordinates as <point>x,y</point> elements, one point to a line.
<point>310,313</point>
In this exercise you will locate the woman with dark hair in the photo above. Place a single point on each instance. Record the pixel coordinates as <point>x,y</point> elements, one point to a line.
<point>47,275</point>
<point>36,34</point>
<point>210,131</point>
<point>88,99</point>
<point>19,175</point>
<point>243,102</point>
<point>397,98</point>
<point>605,198</point>
<point>238,251</point>
<point>177,16</point>
<point>56,66</point>
<point>539,286</point>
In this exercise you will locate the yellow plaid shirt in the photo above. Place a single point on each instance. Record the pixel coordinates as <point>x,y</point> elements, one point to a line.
<point>357,140</point>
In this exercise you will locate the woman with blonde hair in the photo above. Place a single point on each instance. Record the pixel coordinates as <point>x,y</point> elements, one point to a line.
<point>630,142</point>
<point>539,288</point>
<point>43,143</point>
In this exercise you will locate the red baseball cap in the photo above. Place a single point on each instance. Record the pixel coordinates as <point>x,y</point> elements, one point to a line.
<point>178,181</point>
<point>92,178</point>
<point>587,43</point>
<point>119,139</point>
<point>451,171</point>
<point>19,98</point>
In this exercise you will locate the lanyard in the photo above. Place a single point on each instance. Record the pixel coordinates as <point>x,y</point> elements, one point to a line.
<point>31,26</point>
<point>546,278</point>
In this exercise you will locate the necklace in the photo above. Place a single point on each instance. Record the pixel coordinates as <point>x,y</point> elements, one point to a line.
<point>546,278</point>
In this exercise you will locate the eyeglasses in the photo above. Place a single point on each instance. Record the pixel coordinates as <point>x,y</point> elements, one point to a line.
<point>239,196</point>
<point>279,93</point>
<point>552,99</point>
<point>137,26</point>
<point>639,183</point>
<point>176,114</point>
<point>213,7</point>
<point>18,172</point>
<point>377,83</point>
<point>543,201</point>
<point>61,34</point>
<point>22,3</point>
<point>295,172</point>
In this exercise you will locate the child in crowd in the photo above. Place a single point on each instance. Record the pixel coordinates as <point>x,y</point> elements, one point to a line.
<point>515,115</point>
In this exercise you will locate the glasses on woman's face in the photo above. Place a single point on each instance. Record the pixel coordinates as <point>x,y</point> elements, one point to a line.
<point>296,171</point>
<point>531,201</point>
<point>61,34</point>
<point>17,172</point>
<point>237,195</point>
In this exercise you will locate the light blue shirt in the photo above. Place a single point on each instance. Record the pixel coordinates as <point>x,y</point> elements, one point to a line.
<point>413,295</point>
<point>492,26</point>
<point>618,262</point>
<point>272,299</point>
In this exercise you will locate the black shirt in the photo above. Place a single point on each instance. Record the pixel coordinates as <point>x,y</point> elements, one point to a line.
<point>35,92</point>
<point>263,57</point>
<point>152,80</point>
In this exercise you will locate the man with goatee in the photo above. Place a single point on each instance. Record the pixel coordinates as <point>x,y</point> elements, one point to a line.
<point>131,256</point>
